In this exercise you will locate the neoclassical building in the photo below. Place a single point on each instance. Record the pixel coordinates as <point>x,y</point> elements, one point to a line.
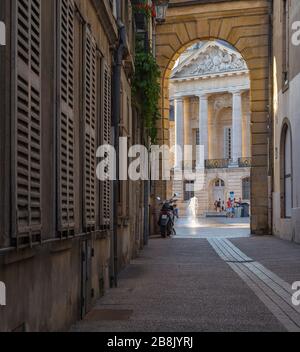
<point>210,107</point>
<point>286,121</point>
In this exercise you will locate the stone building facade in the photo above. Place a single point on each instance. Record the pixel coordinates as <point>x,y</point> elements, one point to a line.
<point>286,109</point>
<point>246,26</point>
<point>209,92</point>
<point>59,251</point>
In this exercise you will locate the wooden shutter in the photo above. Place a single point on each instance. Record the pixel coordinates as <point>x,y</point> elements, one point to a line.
<point>65,125</point>
<point>27,121</point>
<point>89,130</point>
<point>106,186</point>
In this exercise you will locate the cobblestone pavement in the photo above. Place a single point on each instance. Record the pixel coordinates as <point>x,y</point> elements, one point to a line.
<point>213,276</point>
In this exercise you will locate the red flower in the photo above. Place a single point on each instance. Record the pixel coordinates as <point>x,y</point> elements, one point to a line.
<point>153,11</point>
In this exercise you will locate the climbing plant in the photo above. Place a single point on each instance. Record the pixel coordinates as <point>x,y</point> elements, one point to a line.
<point>146,89</point>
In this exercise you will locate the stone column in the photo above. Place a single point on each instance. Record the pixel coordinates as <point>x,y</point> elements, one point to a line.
<point>179,131</point>
<point>203,123</point>
<point>237,127</point>
<point>248,135</point>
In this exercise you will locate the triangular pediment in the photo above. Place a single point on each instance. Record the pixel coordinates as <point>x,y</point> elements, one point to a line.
<point>212,58</point>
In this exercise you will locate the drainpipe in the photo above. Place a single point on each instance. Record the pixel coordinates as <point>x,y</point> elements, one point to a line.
<point>116,111</point>
<point>270,123</point>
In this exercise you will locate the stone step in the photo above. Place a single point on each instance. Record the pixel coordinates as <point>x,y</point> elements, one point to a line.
<point>215,215</point>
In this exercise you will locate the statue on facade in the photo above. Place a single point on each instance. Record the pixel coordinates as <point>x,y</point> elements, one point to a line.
<point>214,60</point>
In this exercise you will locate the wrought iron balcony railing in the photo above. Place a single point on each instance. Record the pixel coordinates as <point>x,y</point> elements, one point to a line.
<point>245,162</point>
<point>217,164</point>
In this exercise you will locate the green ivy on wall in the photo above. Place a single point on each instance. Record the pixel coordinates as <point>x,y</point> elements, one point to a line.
<point>146,88</point>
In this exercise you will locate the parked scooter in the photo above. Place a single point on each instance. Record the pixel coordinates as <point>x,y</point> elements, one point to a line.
<point>167,217</point>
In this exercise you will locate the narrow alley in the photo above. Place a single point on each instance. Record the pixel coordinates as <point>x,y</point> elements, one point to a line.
<point>204,284</point>
<point>149,173</point>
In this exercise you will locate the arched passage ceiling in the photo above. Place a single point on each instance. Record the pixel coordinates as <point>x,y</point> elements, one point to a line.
<point>245,24</point>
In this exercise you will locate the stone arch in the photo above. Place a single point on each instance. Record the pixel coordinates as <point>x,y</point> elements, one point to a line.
<point>245,26</point>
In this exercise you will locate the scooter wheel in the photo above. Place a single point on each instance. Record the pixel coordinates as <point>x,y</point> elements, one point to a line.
<point>163,231</point>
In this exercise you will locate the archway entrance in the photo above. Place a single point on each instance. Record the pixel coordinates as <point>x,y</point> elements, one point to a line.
<point>245,26</point>
<point>219,192</point>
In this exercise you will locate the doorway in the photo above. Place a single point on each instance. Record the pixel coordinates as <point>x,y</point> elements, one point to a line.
<point>219,191</point>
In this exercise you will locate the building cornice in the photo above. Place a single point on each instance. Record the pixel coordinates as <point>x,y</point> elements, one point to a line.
<point>212,91</point>
<point>210,76</point>
<point>107,20</point>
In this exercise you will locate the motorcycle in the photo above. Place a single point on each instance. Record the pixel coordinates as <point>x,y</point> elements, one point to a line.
<point>167,217</point>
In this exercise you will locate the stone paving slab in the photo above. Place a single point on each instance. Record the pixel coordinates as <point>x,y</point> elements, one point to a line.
<point>182,285</point>
<point>281,257</point>
<point>213,227</point>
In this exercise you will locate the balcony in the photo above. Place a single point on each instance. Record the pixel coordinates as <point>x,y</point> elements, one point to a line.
<point>217,163</point>
<point>226,163</point>
<point>220,164</point>
<point>245,162</point>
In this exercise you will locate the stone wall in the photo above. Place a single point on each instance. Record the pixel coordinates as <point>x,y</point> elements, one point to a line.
<point>55,279</point>
<point>286,112</point>
<point>245,25</point>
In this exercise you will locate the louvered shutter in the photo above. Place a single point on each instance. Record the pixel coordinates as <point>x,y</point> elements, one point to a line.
<point>106,186</point>
<point>27,122</point>
<point>65,126</point>
<point>90,115</point>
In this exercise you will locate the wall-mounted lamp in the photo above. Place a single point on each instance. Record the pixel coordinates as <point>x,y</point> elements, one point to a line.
<point>161,7</point>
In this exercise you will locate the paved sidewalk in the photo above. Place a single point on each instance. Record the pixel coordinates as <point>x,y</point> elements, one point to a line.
<point>213,227</point>
<point>184,285</point>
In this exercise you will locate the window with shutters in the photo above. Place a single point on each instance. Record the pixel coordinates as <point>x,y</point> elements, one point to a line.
<point>89,130</point>
<point>27,214</point>
<point>106,186</point>
<point>246,187</point>
<point>65,124</point>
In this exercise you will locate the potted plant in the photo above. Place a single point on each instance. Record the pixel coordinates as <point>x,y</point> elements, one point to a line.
<point>142,13</point>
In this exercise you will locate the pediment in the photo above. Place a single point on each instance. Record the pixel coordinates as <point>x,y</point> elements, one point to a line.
<point>212,58</point>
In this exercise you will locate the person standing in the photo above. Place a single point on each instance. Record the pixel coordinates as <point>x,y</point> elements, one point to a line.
<point>219,206</point>
<point>216,205</point>
<point>229,208</point>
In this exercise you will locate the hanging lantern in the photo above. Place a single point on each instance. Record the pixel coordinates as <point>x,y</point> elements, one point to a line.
<point>161,7</point>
